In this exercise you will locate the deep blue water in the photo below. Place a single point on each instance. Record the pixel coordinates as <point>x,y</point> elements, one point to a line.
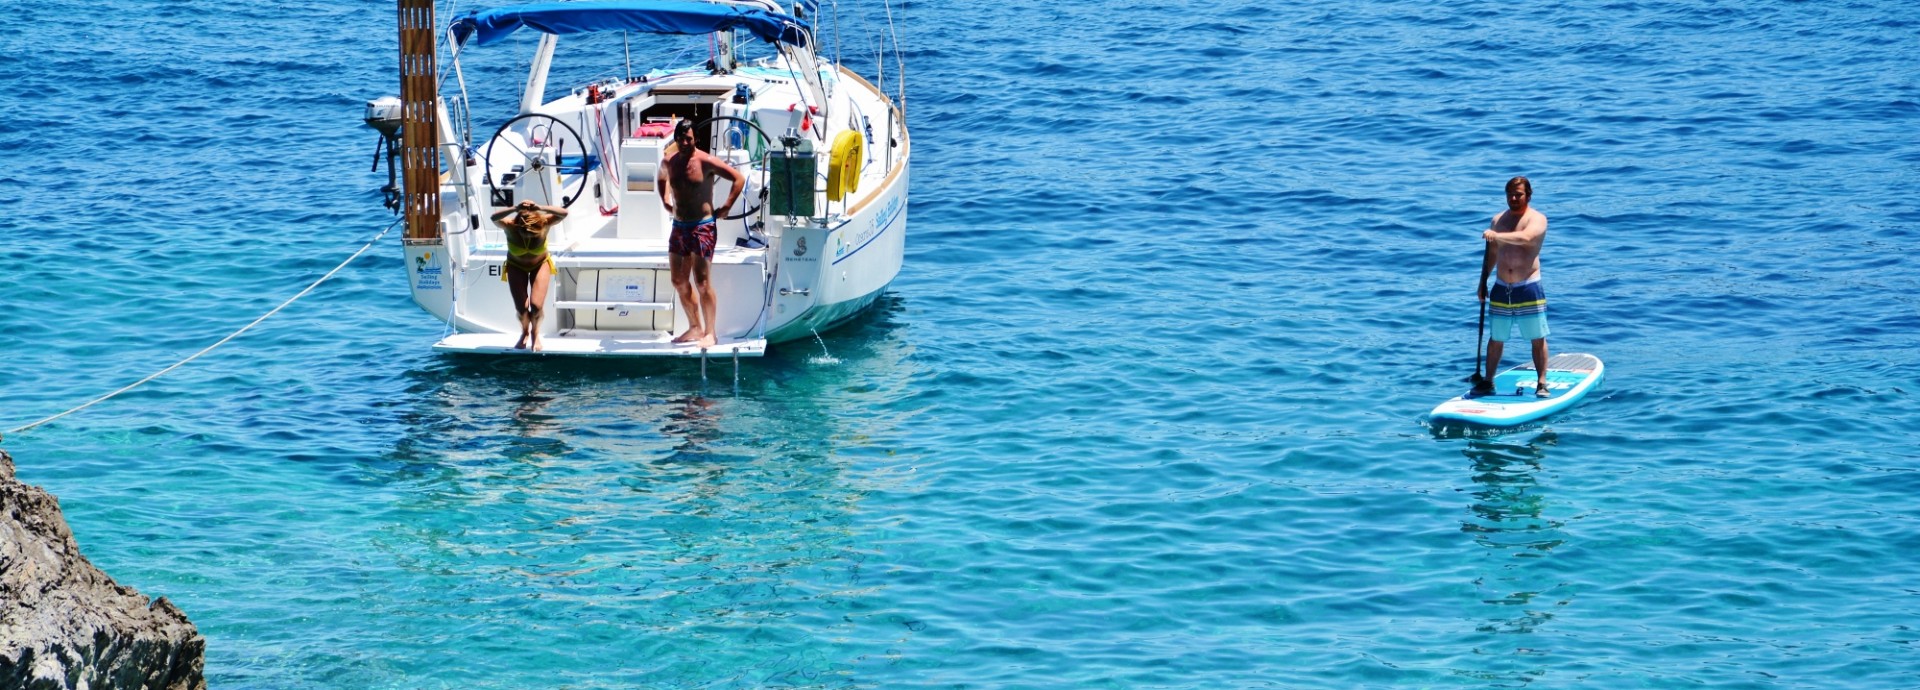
<point>1144,409</point>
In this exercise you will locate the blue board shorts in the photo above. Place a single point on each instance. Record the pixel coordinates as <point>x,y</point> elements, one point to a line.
<point>1520,305</point>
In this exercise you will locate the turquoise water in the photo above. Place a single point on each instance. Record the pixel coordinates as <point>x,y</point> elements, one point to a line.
<point>1143,409</point>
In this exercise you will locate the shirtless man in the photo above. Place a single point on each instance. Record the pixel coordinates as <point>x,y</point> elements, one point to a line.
<point>685,182</point>
<point>1513,244</point>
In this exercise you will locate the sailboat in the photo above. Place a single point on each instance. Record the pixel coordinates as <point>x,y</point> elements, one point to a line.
<point>816,234</point>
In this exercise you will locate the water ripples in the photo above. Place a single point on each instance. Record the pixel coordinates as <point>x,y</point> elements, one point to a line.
<point>1143,410</point>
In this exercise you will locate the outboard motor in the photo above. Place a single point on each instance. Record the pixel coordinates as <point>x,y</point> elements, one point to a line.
<point>384,115</point>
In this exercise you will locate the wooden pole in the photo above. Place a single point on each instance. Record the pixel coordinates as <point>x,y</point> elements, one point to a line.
<point>419,130</point>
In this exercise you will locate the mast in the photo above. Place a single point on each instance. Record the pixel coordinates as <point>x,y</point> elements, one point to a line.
<point>419,107</point>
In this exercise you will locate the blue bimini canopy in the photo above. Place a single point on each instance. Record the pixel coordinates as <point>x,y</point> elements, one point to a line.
<point>648,16</point>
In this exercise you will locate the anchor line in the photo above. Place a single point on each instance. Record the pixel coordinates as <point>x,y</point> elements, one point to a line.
<point>223,341</point>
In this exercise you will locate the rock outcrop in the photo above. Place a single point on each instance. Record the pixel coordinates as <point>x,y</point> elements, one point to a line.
<point>64,624</point>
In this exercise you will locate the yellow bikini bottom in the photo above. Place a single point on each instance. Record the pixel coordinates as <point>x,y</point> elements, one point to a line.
<point>509,262</point>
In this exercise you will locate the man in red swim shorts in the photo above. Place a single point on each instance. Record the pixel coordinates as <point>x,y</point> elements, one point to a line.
<point>685,182</point>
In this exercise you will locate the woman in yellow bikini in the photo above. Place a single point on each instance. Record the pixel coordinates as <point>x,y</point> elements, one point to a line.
<point>529,269</point>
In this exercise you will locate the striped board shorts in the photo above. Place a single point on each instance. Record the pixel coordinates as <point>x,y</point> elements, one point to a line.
<point>1520,305</point>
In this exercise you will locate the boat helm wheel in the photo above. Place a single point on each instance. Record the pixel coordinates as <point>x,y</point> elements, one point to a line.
<point>843,165</point>
<point>756,162</point>
<point>537,159</point>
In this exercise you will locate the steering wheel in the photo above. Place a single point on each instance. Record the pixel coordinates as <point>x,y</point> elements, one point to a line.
<point>536,162</point>
<point>766,144</point>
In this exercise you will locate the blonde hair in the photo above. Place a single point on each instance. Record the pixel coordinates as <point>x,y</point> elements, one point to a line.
<point>527,223</point>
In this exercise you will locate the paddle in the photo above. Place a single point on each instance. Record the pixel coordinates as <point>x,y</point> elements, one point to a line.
<point>1479,341</point>
<point>1480,333</point>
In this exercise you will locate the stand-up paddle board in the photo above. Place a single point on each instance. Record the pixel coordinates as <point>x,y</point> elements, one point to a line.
<point>1514,401</point>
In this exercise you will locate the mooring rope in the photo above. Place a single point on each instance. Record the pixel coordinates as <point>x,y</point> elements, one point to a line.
<point>223,341</point>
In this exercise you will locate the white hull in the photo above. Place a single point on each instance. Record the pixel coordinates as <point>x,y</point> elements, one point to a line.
<point>611,294</point>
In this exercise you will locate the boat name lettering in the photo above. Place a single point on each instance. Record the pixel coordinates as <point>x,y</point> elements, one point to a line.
<point>879,222</point>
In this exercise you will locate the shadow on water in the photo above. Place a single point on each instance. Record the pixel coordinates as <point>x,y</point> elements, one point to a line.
<point>526,412</point>
<point>792,399</point>
<point>1517,589</point>
<point>629,490</point>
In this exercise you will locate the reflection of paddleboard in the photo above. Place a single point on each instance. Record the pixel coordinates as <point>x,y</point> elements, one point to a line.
<point>1513,401</point>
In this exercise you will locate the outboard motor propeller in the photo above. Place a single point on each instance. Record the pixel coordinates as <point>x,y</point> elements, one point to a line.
<point>384,115</point>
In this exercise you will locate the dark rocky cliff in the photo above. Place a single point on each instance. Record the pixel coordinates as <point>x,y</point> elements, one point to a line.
<point>64,624</point>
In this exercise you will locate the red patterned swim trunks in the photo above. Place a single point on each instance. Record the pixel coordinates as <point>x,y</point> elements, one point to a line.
<point>690,236</point>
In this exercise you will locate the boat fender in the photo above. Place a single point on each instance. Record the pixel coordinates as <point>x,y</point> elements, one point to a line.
<point>843,171</point>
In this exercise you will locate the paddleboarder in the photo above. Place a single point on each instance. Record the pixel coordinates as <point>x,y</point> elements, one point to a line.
<point>1516,301</point>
